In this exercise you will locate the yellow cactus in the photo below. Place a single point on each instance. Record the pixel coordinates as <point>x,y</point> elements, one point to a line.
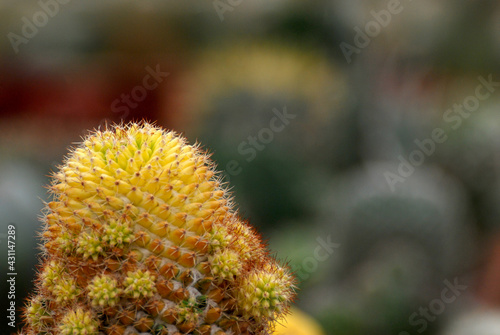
<point>142,237</point>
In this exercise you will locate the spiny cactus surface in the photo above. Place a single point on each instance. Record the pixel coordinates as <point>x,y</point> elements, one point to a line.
<point>142,238</point>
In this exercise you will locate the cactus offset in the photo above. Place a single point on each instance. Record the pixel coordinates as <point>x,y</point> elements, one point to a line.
<point>142,237</point>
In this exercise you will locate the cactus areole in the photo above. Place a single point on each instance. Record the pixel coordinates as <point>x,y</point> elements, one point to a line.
<point>141,237</point>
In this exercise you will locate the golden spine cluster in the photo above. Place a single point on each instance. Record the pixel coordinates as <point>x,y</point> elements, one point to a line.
<point>142,238</point>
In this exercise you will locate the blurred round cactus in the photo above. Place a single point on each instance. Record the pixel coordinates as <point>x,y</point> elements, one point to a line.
<point>396,246</point>
<point>271,114</point>
<point>428,208</point>
<point>244,86</point>
<point>142,237</point>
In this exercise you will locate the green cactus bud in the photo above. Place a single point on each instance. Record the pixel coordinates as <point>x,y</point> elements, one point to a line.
<point>265,292</point>
<point>142,237</point>
<point>66,243</point>
<point>90,245</point>
<point>118,234</point>
<point>37,314</point>
<point>51,273</point>
<point>225,264</point>
<point>66,290</point>
<point>139,284</point>
<point>78,322</point>
<point>103,291</point>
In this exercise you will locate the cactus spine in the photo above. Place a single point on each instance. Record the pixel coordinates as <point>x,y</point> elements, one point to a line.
<point>142,238</point>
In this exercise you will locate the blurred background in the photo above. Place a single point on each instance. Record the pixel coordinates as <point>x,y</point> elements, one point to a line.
<point>362,138</point>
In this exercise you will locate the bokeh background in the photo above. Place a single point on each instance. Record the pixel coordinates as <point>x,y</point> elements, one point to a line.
<point>374,252</point>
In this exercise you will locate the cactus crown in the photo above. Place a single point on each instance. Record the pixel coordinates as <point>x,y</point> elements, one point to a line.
<point>142,237</point>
